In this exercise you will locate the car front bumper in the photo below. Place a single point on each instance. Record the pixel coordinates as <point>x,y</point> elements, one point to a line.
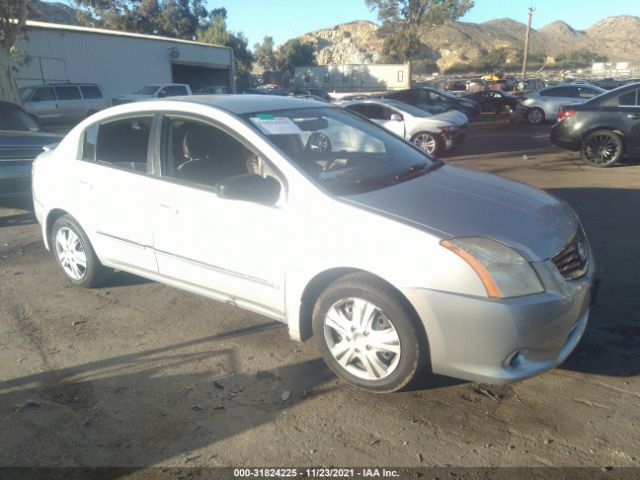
<point>454,138</point>
<point>502,341</point>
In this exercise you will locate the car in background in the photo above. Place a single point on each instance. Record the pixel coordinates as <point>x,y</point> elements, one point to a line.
<point>494,101</point>
<point>215,90</point>
<point>397,263</point>
<point>434,101</point>
<point>543,105</point>
<point>58,103</point>
<point>314,92</point>
<point>149,92</point>
<point>604,129</point>
<point>21,140</point>
<point>434,134</point>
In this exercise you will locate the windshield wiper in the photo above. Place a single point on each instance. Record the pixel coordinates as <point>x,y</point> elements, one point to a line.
<point>418,167</point>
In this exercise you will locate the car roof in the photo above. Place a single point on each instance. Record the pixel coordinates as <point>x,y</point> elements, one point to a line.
<point>241,104</point>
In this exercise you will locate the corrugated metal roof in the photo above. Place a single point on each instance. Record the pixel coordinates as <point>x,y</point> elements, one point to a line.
<point>102,31</point>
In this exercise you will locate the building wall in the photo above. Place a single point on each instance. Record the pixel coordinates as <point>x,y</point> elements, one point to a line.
<point>353,78</point>
<point>119,63</point>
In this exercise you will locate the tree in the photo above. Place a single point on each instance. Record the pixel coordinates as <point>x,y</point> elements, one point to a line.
<point>294,53</point>
<point>169,18</point>
<point>403,21</point>
<point>13,16</point>
<point>216,33</point>
<point>264,54</point>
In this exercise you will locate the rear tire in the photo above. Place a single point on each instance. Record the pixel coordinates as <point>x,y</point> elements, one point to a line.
<point>602,148</point>
<point>75,255</point>
<point>368,335</point>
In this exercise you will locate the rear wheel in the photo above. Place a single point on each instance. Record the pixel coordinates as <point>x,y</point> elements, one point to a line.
<point>602,148</point>
<point>367,334</point>
<point>75,255</point>
<point>535,116</point>
<point>427,142</point>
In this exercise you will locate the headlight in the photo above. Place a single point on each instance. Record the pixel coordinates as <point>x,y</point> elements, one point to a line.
<point>503,271</point>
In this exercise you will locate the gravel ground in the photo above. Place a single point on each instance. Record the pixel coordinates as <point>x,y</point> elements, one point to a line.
<point>139,374</point>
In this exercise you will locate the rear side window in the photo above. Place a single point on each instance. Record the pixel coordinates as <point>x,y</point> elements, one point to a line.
<point>560,92</point>
<point>91,91</point>
<point>174,90</point>
<point>628,99</point>
<point>68,93</point>
<point>121,143</point>
<point>584,92</point>
<point>44,94</point>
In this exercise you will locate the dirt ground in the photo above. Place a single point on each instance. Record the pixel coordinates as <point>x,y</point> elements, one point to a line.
<point>140,374</point>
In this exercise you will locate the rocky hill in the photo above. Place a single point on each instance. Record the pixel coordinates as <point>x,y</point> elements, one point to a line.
<point>358,42</point>
<point>53,12</point>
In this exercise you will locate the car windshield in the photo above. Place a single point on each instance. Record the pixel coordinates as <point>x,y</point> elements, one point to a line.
<point>147,90</point>
<point>411,110</point>
<point>340,150</point>
<point>12,118</point>
<point>25,93</point>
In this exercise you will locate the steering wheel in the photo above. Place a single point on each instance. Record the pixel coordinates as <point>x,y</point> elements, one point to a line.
<point>318,142</point>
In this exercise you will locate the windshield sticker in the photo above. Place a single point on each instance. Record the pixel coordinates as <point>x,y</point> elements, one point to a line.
<point>276,125</point>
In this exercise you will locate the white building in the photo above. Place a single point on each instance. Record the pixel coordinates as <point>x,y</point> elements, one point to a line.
<point>354,78</point>
<point>119,62</point>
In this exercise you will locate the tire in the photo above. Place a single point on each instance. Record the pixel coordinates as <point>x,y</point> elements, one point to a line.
<point>535,116</point>
<point>602,148</point>
<point>348,345</point>
<point>427,142</point>
<point>75,255</point>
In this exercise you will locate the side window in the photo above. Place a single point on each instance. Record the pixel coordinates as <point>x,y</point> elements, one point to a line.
<point>360,109</point>
<point>628,99</point>
<point>377,112</point>
<point>44,94</point>
<point>202,154</point>
<point>174,90</point>
<point>584,92</point>
<point>68,93</point>
<point>551,92</point>
<point>89,144</point>
<point>91,91</point>
<point>121,143</point>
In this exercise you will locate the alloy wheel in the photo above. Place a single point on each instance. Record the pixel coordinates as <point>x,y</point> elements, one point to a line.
<point>426,142</point>
<point>70,253</point>
<point>601,149</point>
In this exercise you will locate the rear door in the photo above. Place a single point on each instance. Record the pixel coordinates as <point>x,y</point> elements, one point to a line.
<point>70,103</point>
<point>44,105</point>
<point>629,111</point>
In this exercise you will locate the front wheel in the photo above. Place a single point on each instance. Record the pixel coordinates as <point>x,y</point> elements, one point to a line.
<point>427,142</point>
<point>75,255</point>
<point>602,148</point>
<point>368,335</point>
<point>535,116</point>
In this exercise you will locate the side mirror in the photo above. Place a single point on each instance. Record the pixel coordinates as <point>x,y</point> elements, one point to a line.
<point>162,94</point>
<point>395,117</point>
<point>249,187</point>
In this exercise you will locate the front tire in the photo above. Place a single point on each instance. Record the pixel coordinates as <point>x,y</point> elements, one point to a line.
<point>75,255</point>
<point>427,142</point>
<point>368,335</point>
<point>535,116</point>
<point>602,148</point>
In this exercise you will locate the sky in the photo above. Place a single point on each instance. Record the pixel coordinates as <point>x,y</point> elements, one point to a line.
<point>285,19</point>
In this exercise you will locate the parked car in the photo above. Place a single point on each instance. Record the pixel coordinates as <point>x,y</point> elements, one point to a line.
<point>393,260</point>
<point>494,101</point>
<point>149,92</point>
<point>432,133</point>
<point>215,90</point>
<point>604,129</point>
<point>21,140</point>
<point>316,92</point>
<point>434,101</point>
<point>63,102</point>
<point>544,104</point>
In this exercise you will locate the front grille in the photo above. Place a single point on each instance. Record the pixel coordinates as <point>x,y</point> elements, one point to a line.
<point>573,260</point>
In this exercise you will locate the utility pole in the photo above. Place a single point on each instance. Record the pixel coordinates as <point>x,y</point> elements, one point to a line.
<point>526,45</point>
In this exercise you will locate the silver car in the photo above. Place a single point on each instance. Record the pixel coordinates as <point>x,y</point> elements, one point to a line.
<point>397,263</point>
<point>63,102</point>
<point>544,105</point>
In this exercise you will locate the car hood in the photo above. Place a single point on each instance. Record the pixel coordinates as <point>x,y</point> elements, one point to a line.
<point>453,201</point>
<point>455,117</point>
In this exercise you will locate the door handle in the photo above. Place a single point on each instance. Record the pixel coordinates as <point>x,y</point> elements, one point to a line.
<point>170,208</point>
<point>85,184</point>
<point>633,116</point>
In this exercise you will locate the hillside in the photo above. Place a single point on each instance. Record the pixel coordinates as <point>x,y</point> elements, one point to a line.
<point>357,42</point>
